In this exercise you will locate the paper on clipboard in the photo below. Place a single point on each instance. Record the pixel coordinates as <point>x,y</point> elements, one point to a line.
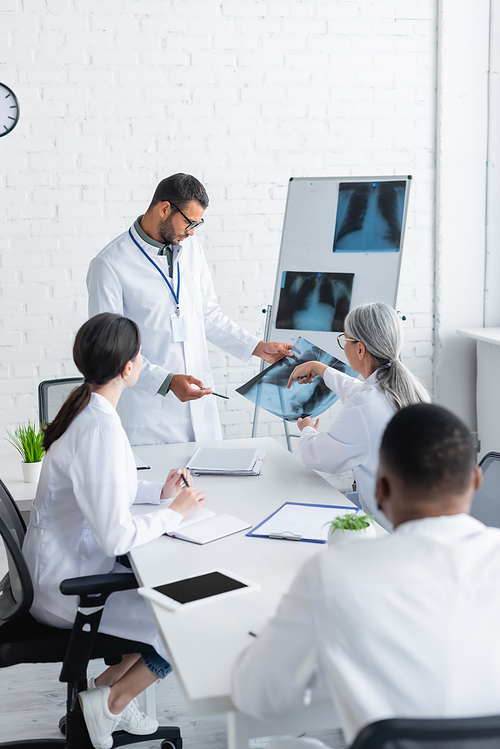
<point>296,521</point>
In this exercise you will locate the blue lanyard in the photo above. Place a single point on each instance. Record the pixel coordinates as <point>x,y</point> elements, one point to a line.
<point>176,296</point>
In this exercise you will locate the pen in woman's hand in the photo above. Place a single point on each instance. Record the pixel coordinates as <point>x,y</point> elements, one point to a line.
<point>183,478</point>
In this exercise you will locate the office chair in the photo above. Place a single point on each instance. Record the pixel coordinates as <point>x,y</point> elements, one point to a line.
<point>486,501</point>
<point>24,640</point>
<point>52,394</point>
<point>430,733</point>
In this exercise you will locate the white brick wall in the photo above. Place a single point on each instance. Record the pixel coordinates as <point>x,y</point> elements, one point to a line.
<point>244,94</point>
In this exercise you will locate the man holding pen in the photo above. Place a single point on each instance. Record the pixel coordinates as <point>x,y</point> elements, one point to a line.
<point>156,274</point>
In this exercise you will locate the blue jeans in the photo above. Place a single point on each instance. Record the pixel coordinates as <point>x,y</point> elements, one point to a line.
<point>157,665</point>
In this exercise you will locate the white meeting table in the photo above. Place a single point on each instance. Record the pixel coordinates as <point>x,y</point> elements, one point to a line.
<point>204,641</point>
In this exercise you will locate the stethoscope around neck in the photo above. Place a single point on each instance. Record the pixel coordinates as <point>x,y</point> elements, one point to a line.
<point>175,295</point>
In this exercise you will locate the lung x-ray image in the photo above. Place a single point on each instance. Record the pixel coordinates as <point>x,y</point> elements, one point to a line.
<point>268,389</point>
<point>314,301</point>
<point>369,216</point>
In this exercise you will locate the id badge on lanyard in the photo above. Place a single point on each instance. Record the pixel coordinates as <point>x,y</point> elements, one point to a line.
<point>178,327</point>
<point>178,322</point>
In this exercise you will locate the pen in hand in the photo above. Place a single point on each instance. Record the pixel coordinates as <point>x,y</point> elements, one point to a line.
<point>226,397</point>
<point>183,477</point>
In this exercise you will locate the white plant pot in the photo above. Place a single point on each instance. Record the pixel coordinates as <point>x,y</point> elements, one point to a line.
<point>340,537</point>
<point>31,472</point>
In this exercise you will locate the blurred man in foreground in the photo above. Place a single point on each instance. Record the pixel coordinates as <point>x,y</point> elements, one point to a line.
<point>404,625</point>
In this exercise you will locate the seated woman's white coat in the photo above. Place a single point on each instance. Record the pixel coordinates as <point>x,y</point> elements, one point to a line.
<point>81,520</point>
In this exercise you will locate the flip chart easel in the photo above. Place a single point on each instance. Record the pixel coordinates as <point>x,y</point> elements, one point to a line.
<point>341,246</point>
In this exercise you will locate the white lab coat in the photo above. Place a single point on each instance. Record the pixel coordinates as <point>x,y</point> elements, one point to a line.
<point>353,439</point>
<point>120,279</point>
<point>80,521</point>
<point>400,626</point>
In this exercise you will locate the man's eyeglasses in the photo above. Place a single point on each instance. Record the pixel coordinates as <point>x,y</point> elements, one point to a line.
<point>342,340</point>
<point>190,224</point>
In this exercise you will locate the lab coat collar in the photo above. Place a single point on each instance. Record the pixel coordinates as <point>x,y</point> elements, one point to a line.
<point>152,251</point>
<point>371,381</point>
<point>444,528</point>
<point>177,252</point>
<point>102,403</point>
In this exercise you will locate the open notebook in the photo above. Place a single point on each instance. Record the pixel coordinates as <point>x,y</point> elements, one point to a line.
<point>205,526</point>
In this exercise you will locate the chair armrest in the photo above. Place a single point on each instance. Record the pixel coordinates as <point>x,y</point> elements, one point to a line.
<point>93,592</point>
<point>98,584</point>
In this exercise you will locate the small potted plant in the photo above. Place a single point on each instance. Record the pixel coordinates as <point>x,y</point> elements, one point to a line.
<point>27,440</point>
<point>351,527</point>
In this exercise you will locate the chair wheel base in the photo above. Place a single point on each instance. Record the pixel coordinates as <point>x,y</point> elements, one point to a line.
<point>171,744</point>
<point>171,737</point>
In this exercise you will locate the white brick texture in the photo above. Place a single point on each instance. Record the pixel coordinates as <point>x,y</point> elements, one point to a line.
<point>243,94</point>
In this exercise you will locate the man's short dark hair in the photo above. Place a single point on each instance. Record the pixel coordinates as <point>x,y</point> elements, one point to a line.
<point>429,448</point>
<point>180,189</point>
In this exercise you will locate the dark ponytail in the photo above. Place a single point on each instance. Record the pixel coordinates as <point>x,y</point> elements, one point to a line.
<point>102,348</point>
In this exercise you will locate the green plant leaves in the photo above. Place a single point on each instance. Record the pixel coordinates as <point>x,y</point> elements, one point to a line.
<point>27,440</point>
<point>350,522</point>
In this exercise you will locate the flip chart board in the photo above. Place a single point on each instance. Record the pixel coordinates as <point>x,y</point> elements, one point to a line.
<point>341,246</point>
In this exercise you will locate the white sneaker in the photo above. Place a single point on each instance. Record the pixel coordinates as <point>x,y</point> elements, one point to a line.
<point>99,720</point>
<point>132,719</point>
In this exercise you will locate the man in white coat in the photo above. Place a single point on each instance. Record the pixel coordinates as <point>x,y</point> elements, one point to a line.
<point>156,274</point>
<point>400,626</point>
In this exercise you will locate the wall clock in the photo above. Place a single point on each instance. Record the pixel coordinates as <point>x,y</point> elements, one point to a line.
<point>9,110</point>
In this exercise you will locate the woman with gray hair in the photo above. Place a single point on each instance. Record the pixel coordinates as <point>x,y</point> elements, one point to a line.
<point>372,342</point>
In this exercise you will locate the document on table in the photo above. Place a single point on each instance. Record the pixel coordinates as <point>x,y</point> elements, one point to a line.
<point>205,526</point>
<point>295,521</point>
<point>218,460</point>
<point>140,464</point>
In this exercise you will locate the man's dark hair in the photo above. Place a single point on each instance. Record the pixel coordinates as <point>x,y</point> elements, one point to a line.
<point>180,189</point>
<point>428,447</point>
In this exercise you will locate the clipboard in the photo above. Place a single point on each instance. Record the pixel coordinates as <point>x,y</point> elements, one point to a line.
<point>299,521</point>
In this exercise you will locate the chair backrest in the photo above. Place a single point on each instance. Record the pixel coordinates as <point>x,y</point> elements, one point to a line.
<point>486,501</point>
<point>16,589</point>
<point>434,733</point>
<point>52,394</point>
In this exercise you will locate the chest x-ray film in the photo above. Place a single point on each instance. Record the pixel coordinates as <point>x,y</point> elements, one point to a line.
<point>314,301</point>
<point>341,246</point>
<point>268,389</point>
<point>369,216</point>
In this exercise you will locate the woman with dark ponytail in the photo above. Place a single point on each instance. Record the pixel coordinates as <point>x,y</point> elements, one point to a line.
<point>81,520</point>
<point>372,342</point>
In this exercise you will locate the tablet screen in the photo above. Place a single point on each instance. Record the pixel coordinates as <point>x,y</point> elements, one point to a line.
<point>202,586</point>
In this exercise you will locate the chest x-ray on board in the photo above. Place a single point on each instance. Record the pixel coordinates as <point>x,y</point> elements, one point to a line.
<point>314,301</point>
<point>337,227</point>
<point>268,389</point>
<point>369,216</point>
